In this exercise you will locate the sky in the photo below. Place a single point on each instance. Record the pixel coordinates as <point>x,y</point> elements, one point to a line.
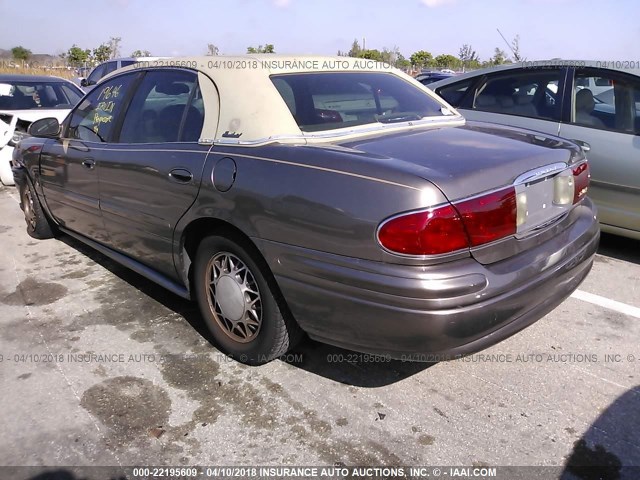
<point>568,29</point>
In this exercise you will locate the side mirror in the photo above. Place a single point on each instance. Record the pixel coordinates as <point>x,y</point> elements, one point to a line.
<point>45,127</point>
<point>83,82</point>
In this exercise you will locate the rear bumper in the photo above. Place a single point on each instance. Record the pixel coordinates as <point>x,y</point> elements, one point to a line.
<point>432,313</point>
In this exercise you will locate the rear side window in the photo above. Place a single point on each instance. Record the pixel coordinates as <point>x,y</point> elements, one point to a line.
<point>527,94</point>
<point>167,107</point>
<point>606,100</point>
<point>94,118</point>
<point>331,100</point>
<point>96,75</point>
<point>453,94</point>
<point>110,67</point>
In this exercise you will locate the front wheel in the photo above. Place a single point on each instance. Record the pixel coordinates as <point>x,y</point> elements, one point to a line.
<point>38,225</point>
<point>240,301</point>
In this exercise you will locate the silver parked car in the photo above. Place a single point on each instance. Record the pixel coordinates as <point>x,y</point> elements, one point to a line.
<point>595,104</point>
<point>332,196</point>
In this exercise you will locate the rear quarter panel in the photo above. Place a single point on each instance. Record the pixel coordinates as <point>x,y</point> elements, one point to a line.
<point>325,199</point>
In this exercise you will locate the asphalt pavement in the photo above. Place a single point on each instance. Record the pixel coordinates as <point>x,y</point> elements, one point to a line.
<point>102,367</point>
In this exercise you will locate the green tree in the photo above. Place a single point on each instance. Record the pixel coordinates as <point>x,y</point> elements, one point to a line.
<point>402,62</point>
<point>393,57</point>
<point>371,54</point>
<point>468,57</point>
<point>268,48</point>
<point>114,45</point>
<point>355,49</point>
<point>21,53</point>
<point>446,61</point>
<point>515,48</point>
<point>499,57</point>
<point>76,56</point>
<point>388,56</point>
<point>421,59</point>
<point>102,53</point>
<point>141,53</point>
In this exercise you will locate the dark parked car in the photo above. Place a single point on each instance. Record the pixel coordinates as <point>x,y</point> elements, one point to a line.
<point>286,196</point>
<point>431,77</point>
<point>105,68</point>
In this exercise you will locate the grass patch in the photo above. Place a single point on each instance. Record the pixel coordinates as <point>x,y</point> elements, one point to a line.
<point>58,72</point>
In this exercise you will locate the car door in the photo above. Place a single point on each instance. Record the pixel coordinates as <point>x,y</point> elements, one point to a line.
<point>527,98</point>
<point>151,175</point>
<point>70,165</point>
<point>607,124</point>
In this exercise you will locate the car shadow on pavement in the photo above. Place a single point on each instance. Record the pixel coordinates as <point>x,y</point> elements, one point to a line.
<point>186,309</point>
<point>327,361</point>
<point>621,248</point>
<point>351,368</point>
<point>69,473</point>
<point>610,448</point>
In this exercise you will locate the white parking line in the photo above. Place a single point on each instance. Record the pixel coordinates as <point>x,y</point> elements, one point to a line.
<point>607,303</point>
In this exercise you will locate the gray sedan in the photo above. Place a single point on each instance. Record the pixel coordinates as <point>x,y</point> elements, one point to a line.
<point>328,196</point>
<point>595,104</point>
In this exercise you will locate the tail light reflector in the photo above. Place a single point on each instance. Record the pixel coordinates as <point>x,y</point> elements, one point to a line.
<point>581,176</point>
<point>449,228</point>
<point>432,232</point>
<point>489,217</point>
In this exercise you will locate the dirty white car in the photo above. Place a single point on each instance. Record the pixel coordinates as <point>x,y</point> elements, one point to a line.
<point>24,99</point>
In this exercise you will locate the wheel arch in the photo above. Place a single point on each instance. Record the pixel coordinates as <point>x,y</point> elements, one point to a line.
<point>198,229</point>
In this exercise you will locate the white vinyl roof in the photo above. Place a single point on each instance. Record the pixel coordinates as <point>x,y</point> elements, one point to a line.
<point>250,106</point>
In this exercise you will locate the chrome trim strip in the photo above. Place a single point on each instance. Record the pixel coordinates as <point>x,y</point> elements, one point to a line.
<point>339,133</point>
<point>116,149</point>
<point>540,173</point>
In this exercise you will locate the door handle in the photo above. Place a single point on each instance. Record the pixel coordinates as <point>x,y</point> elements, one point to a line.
<point>180,175</point>
<point>584,145</point>
<point>89,163</point>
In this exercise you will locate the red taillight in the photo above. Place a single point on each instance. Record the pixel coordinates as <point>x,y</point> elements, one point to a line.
<point>581,175</point>
<point>489,217</point>
<point>424,233</point>
<point>449,228</point>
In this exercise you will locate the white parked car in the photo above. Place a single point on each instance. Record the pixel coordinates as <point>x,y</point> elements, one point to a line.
<point>25,99</point>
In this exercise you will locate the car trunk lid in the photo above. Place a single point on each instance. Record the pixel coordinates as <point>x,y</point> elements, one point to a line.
<point>470,161</point>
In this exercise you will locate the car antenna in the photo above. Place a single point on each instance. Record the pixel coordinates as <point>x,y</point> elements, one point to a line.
<point>505,41</point>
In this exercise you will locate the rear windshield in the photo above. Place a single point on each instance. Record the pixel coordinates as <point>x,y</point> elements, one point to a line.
<point>331,100</point>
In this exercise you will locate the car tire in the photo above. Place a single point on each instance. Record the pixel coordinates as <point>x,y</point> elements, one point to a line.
<point>38,224</point>
<point>241,302</point>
